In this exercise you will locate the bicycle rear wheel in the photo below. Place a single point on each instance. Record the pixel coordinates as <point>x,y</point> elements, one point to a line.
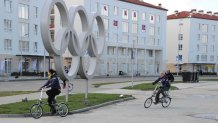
<point>62,109</point>
<point>36,111</point>
<point>148,102</point>
<point>166,101</point>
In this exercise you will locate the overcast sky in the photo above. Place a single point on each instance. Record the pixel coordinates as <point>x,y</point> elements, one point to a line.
<point>187,5</point>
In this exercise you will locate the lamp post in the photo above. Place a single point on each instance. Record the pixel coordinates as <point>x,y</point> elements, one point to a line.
<point>179,39</point>
<point>44,65</point>
<point>132,59</point>
<point>21,60</point>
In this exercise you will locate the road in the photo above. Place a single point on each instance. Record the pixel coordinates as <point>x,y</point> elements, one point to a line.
<point>192,103</point>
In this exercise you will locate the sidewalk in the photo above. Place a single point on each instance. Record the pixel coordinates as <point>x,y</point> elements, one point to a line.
<point>110,89</point>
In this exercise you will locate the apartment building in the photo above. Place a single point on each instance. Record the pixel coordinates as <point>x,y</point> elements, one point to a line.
<point>21,47</point>
<point>131,25</point>
<point>192,40</point>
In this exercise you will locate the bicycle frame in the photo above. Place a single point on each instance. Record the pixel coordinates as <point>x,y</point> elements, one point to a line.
<point>157,87</point>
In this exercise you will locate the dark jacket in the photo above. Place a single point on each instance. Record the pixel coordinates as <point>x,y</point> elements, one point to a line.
<point>164,81</point>
<point>170,77</point>
<point>53,82</point>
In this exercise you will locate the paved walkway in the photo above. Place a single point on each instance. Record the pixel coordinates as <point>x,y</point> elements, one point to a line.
<point>192,103</point>
<point>111,88</point>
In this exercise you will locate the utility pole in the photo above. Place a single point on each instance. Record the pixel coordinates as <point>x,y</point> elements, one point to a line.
<point>179,39</point>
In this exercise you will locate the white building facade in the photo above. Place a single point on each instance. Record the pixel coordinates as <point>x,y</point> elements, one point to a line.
<point>21,47</point>
<point>131,25</point>
<point>192,40</point>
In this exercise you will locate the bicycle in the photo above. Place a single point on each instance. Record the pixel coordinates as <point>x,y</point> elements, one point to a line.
<point>165,101</point>
<point>36,109</point>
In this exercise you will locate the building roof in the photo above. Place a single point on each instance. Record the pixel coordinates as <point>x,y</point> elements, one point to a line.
<point>139,2</point>
<point>193,14</point>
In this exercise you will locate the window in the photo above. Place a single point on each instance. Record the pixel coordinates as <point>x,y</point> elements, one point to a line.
<point>134,15</point>
<point>143,28</point>
<point>125,26</point>
<point>106,24</point>
<point>158,30</point>
<point>134,28</point>
<point>7,5</point>
<point>158,18</point>
<point>52,35</point>
<point>115,10</point>
<point>23,11</point>
<point>125,14</point>
<point>24,46</point>
<point>211,58</point>
<point>125,38</point>
<point>7,25</point>
<point>180,37</point>
<point>105,10</point>
<point>35,47</point>
<point>151,31</point>
<point>203,57</point>
<point>197,58</point>
<point>204,49</point>
<point>8,65</point>
<point>199,26</point>
<point>204,39</point>
<point>7,44</point>
<point>36,29</point>
<point>198,47</point>
<point>24,30</point>
<point>152,19</point>
<point>143,16</point>
<point>180,46</point>
<point>204,28</point>
<point>123,51</point>
<point>96,7</point>
<point>115,24</point>
<point>36,12</point>
<point>213,38</point>
<point>199,37</point>
<point>150,53</point>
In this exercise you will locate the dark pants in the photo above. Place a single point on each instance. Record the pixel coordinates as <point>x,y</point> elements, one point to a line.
<point>161,90</point>
<point>51,97</point>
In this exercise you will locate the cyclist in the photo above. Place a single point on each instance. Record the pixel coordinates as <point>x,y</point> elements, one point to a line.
<point>55,89</point>
<point>170,76</point>
<point>165,86</point>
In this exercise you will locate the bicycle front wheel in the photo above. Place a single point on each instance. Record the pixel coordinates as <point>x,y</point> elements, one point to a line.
<point>166,102</point>
<point>36,111</point>
<point>62,109</point>
<point>148,102</point>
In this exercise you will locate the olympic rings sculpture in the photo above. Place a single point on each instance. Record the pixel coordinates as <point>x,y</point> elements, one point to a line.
<point>77,44</point>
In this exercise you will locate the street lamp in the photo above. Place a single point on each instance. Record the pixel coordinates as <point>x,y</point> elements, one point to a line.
<point>132,58</point>
<point>180,36</point>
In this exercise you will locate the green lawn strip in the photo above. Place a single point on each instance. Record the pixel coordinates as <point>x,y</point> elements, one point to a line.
<point>11,93</point>
<point>145,87</point>
<point>108,83</point>
<point>208,80</point>
<point>76,101</point>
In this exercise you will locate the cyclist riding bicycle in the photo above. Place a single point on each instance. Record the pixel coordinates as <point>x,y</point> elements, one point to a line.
<point>55,90</point>
<point>165,86</point>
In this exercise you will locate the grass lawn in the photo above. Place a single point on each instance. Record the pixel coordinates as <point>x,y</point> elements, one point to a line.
<point>76,101</point>
<point>146,87</point>
<point>108,83</point>
<point>11,93</point>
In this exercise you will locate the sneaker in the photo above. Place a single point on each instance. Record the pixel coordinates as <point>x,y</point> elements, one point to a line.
<point>155,103</point>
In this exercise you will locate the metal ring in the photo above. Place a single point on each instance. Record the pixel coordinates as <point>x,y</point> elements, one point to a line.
<point>77,44</point>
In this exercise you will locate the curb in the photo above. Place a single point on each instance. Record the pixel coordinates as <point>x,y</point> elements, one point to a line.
<point>70,112</point>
